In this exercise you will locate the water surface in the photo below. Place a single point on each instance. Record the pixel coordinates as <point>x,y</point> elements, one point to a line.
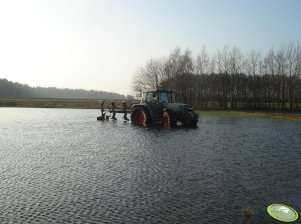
<point>63,166</point>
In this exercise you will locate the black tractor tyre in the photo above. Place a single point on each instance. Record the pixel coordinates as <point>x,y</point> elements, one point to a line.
<point>190,120</point>
<point>194,124</point>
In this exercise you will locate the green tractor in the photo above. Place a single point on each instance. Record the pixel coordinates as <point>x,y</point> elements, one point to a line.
<point>157,107</point>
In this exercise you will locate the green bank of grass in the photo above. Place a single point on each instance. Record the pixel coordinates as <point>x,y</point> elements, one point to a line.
<point>49,103</point>
<point>251,114</point>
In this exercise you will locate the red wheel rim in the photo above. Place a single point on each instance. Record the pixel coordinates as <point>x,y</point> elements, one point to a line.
<point>166,120</point>
<point>140,118</point>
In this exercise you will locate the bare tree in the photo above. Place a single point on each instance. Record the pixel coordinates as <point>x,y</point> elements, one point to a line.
<point>269,65</point>
<point>222,60</point>
<point>202,67</point>
<point>235,66</point>
<point>252,63</point>
<point>172,68</point>
<point>252,67</point>
<point>291,55</point>
<point>212,66</point>
<point>202,62</point>
<point>150,76</point>
<point>297,72</point>
<point>236,63</point>
<point>281,65</point>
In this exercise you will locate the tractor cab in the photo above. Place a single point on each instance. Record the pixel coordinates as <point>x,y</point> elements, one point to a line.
<point>156,97</point>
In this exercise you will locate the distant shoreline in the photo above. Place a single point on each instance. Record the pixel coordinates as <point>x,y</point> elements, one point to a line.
<point>57,103</point>
<point>94,104</point>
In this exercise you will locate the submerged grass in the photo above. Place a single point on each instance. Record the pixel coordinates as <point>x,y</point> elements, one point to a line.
<point>247,212</point>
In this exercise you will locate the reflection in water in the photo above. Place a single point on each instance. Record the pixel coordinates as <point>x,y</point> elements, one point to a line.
<point>63,166</point>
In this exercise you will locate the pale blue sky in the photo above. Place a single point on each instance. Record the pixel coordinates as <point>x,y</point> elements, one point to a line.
<point>94,44</point>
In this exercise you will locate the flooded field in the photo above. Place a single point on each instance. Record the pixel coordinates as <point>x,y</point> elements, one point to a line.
<point>63,166</point>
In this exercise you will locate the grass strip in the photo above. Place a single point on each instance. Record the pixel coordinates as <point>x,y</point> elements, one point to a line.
<point>253,114</point>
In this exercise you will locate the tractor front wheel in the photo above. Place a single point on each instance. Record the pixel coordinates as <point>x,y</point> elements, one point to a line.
<point>168,120</point>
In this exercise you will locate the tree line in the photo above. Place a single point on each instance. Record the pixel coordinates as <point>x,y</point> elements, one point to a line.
<point>229,79</point>
<point>10,89</point>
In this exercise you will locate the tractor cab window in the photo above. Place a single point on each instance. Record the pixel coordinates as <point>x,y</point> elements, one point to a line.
<point>144,97</point>
<point>164,97</point>
<point>152,97</point>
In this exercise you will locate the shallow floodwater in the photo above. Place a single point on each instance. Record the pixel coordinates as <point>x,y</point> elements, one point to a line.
<point>64,166</point>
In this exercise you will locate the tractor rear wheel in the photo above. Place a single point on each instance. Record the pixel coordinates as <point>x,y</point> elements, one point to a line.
<point>139,116</point>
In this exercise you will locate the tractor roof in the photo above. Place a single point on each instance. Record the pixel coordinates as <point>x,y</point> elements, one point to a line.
<point>156,90</point>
